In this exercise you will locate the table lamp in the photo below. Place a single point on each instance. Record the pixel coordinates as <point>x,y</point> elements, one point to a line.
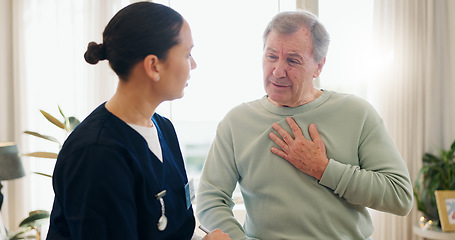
<point>10,168</point>
<point>10,164</point>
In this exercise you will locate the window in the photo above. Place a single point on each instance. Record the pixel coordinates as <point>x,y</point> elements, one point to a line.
<point>351,61</point>
<point>228,50</point>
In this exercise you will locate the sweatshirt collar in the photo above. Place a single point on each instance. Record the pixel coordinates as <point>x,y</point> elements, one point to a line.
<point>289,111</point>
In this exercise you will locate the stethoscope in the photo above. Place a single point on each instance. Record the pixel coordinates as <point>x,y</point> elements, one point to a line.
<point>162,221</point>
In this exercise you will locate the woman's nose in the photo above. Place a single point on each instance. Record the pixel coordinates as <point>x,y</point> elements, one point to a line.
<point>193,63</point>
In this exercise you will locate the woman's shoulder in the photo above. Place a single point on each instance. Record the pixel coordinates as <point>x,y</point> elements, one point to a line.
<point>100,128</point>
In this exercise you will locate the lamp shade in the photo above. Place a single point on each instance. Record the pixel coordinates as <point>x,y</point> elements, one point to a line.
<point>10,162</point>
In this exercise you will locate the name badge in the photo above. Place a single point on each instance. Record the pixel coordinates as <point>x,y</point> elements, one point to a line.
<point>190,195</point>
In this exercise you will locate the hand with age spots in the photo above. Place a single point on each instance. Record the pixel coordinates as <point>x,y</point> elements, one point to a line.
<point>309,156</point>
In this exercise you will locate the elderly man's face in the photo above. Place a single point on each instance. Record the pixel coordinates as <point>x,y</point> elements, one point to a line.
<point>289,67</point>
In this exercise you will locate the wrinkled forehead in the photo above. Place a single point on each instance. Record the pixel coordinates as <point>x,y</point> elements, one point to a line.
<point>300,42</point>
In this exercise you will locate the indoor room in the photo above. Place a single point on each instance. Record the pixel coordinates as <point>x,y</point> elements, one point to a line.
<point>396,55</point>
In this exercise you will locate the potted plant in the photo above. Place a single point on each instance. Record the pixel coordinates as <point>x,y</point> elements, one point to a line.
<point>437,173</point>
<point>40,217</point>
<point>68,124</point>
<point>34,221</point>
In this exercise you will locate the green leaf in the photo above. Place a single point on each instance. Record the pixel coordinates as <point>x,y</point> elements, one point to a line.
<point>446,156</point>
<point>73,122</point>
<point>417,198</point>
<point>53,120</point>
<point>437,173</point>
<point>46,137</point>
<point>43,174</point>
<point>430,158</point>
<point>16,235</point>
<point>416,186</point>
<point>450,155</point>
<point>49,155</point>
<point>452,184</point>
<point>434,185</point>
<point>61,112</point>
<point>65,122</point>
<point>35,218</point>
<point>424,170</point>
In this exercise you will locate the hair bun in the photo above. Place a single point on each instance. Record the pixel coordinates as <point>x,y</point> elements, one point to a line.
<point>95,53</point>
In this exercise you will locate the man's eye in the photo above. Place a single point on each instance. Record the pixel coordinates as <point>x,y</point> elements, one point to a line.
<point>294,61</point>
<point>271,57</point>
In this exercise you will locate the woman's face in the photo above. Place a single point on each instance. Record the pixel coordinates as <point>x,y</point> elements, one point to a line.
<point>177,66</point>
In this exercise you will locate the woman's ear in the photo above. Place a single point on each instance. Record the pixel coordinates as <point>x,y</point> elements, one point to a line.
<point>151,68</point>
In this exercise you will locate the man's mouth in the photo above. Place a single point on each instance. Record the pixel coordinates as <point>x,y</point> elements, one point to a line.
<point>279,85</point>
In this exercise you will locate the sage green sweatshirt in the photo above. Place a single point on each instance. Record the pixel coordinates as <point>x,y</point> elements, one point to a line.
<point>365,170</point>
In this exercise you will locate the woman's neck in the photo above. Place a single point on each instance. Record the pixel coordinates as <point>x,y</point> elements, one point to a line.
<point>132,106</point>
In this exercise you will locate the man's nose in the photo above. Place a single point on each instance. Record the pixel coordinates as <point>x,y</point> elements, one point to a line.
<point>279,69</point>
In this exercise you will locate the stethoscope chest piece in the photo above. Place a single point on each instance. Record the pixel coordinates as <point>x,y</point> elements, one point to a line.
<point>162,221</point>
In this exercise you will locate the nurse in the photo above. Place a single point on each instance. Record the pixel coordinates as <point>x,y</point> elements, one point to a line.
<point>120,174</point>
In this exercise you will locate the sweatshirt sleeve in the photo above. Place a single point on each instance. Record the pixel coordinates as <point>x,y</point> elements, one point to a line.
<point>218,181</point>
<point>381,181</point>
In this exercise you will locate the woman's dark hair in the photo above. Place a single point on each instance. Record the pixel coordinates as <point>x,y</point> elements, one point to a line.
<point>136,31</point>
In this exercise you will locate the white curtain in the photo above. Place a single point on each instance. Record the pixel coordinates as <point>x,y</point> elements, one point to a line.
<point>43,42</point>
<point>7,97</point>
<point>414,89</point>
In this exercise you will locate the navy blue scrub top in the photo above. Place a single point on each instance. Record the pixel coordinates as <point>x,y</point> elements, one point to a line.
<point>106,178</point>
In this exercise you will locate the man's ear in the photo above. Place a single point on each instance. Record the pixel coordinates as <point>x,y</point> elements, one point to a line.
<point>319,68</point>
<point>151,68</point>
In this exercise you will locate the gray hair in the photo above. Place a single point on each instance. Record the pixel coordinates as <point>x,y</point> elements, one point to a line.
<point>289,22</point>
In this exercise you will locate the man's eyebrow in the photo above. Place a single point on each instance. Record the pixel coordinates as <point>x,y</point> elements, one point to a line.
<point>292,54</point>
<point>271,50</point>
<point>296,55</point>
